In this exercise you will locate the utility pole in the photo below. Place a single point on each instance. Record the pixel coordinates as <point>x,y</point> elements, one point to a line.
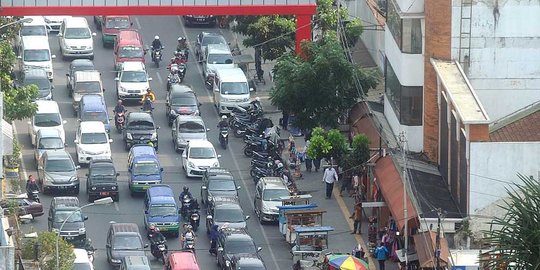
<point>403,141</point>
<point>438,239</point>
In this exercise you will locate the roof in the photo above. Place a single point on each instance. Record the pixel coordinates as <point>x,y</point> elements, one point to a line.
<point>231,74</point>
<point>137,262</point>
<point>273,182</point>
<point>66,201</point>
<point>125,227</point>
<point>58,154</point>
<point>219,48</point>
<point>35,42</point>
<point>297,207</point>
<point>47,106</point>
<point>143,149</point>
<point>33,73</point>
<point>82,62</point>
<point>239,232</point>
<point>101,162</point>
<point>226,200</point>
<point>425,244</point>
<point>245,260</point>
<point>460,92</point>
<point>93,98</point>
<point>302,229</point>
<point>180,88</point>
<point>517,126</point>
<point>200,143</point>
<point>88,75</point>
<point>48,133</point>
<point>36,20</point>
<point>92,126</point>
<point>187,259</point>
<point>133,66</point>
<point>141,116</point>
<point>76,22</point>
<point>161,191</point>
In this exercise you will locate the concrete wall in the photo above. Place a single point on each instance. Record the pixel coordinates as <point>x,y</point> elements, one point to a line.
<point>7,250</point>
<point>414,134</point>
<point>373,39</point>
<point>505,52</point>
<point>409,68</point>
<point>494,165</point>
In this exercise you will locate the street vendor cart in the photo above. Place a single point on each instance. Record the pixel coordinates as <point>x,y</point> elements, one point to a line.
<point>286,208</point>
<point>303,218</point>
<point>309,243</point>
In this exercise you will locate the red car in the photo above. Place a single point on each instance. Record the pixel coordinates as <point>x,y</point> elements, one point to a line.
<point>24,205</point>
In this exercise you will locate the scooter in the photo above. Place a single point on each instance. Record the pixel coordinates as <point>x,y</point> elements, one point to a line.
<point>157,57</point>
<point>194,219</point>
<point>35,196</point>
<point>147,106</point>
<point>160,251</point>
<point>189,243</point>
<point>224,137</point>
<point>119,121</point>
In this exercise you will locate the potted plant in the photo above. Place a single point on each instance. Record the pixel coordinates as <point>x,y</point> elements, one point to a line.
<point>13,161</point>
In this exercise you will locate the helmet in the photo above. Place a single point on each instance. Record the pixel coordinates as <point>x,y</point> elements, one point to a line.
<point>280,165</point>
<point>257,98</point>
<point>119,101</point>
<point>156,37</point>
<point>149,90</point>
<point>152,228</point>
<point>181,38</point>
<point>186,189</point>
<point>177,54</point>
<point>224,117</point>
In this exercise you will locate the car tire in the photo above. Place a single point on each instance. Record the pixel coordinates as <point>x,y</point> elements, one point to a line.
<point>116,197</point>
<point>126,147</point>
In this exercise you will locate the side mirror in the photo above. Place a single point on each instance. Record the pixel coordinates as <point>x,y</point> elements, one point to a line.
<point>76,141</point>
<point>145,245</point>
<point>200,104</point>
<point>158,127</point>
<point>161,169</point>
<point>259,249</point>
<point>78,167</point>
<point>19,57</point>
<point>110,140</point>
<point>67,74</point>
<point>64,122</point>
<point>129,169</point>
<point>40,167</point>
<point>209,217</point>
<point>216,89</point>
<point>220,249</point>
<point>116,79</point>
<point>146,212</point>
<point>50,218</point>
<point>218,156</point>
<point>203,187</point>
<point>53,56</point>
<point>149,79</point>
<point>103,89</point>
<point>238,187</point>
<point>117,174</point>
<point>207,130</point>
<point>85,217</point>
<point>94,34</point>
<point>59,35</point>
<point>251,89</point>
<point>247,217</point>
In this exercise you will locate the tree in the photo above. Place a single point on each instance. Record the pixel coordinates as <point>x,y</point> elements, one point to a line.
<point>514,238</point>
<point>359,153</point>
<point>46,251</point>
<point>319,86</point>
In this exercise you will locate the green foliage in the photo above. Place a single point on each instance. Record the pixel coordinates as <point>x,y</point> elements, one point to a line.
<point>19,102</point>
<point>10,32</point>
<point>319,147</point>
<point>318,131</point>
<point>327,15</point>
<point>46,242</point>
<point>353,31</point>
<point>14,160</point>
<point>331,144</point>
<point>515,238</point>
<point>319,87</point>
<point>7,61</point>
<point>339,145</point>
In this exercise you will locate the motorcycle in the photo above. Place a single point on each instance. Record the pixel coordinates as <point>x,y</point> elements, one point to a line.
<point>147,106</point>
<point>35,196</point>
<point>157,57</point>
<point>186,206</point>
<point>119,121</point>
<point>160,251</point>
<point>176,74</point>
<point>224,137</point>
<point>194,219</point>
<point>90,250</point>
<point>189,243</point>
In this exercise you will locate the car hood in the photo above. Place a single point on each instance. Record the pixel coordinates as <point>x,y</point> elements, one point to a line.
<point>135,131</point>
<point>222,193</point>
<point>69,226</point>
<point>79,43</point>
<point>61,177</point>
<point>272,205</point>
<point>192,136</point>
<point>204,162</point>
<point>95,149</point>
<point>141,86</point>
<point>151,219</point>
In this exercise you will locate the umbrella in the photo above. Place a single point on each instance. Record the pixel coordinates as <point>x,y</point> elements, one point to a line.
<point>347,262</point>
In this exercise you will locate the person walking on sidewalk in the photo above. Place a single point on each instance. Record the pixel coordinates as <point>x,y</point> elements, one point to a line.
<point>381,253</point>
<point>357,217</point>
<point>330,177</point>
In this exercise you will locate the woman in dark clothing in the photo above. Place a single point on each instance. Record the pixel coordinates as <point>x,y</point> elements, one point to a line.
<point>214,234</point>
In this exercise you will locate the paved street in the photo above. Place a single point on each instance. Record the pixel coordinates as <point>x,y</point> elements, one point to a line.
<point>129,209</point>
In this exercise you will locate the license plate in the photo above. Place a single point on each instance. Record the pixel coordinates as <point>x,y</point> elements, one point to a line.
<point>69,237</point>
<point>104,193</point>
<point>200,19</point>
<point>163,229</point>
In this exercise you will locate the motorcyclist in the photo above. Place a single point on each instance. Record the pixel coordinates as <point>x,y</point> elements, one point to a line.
<point>182,46</point>
<point>185,191</point>
<point>256,103</point>
<point>155,237</point>
<point>188,235</point>
<point>31,186</point>
<point>119,108</point>
<point>214,234</point>
<point>224,123</point>
<point>179,58</point>
<point>156,45</point>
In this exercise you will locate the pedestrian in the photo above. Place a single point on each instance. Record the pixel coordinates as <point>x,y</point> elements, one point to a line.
<point>381,253</point>
<point>346,183</point>
<point>285,119</point>
<point>357,218</point>
<point>355,184</point>
<point>330,177</point>
<point>308,159</point>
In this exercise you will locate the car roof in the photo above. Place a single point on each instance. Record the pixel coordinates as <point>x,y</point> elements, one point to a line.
<point>133,66</point>
<point>35,43</point>
<point>125,227</point>
<point>180,88</point>
<point>213,172</point>
<point>140,116</point>
<point>211,34</point>
<point>188,118</point>
<point>273,182</point>
<point>36,20</point>
<point>186,259</point>
<point>231,74</point>
<point>33,73</point>
<point>76,22</point>
<point>200,143</point>
<point>58,154</point>
<point>92,126</point>
<point>88,75</point>
<point>65,201</point>
<point>226,202</point>
<point>81,255</point>
<point>48,133</point>
<point>161,192</point>
<point>93,99</point>
<point>248,260</point>
<point>47,106</point>
<point>100,162</point>
<point>82,62</point>
<point>143,149</point>
<point>219,48</point>
<point>137,262</point>
<point>235,232</point>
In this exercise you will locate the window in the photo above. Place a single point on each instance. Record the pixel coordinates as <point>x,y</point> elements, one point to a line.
<point>41,55</point>
<point>234,88</point>
<point>88,87</point>
<point>407,32</point>
<point>77,33</point>
<point>202,153</point>
<point>407,101</point>
<point>94,138</point>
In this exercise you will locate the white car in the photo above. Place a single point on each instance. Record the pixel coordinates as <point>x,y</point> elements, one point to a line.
<point>82,260</point>
<point>54,22</point>
<point>92,142</point>
<point>198,156</point>
<point>76,39</point>
<point>132,81</point>
<point>47,117</point>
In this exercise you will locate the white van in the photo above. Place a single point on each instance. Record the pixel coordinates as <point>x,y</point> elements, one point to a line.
<point>217,56</point>
<point>231,89</point>
<point>36,53</point>
<point>36,27</point>
<point>92,142</point>
<point>47,117</point>
<point>75,38</point>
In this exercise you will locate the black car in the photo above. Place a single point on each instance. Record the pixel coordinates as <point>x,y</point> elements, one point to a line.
<point>218,182</point>
<point>234,243</point>
<point>140,128</point>
<point>225,211</point>
<point>205,38</point>
<point>39,78</point>
<point>247,262</point>
<point>101,180</point>
<point>66,217</point>
<point>200,19</point>
<point>181,100</point>
<point>77,65</point>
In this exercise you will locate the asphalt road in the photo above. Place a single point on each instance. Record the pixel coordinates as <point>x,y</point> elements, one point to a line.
<point>275,250</point>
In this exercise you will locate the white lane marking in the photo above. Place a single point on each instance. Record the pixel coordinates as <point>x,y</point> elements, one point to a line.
<point>137,23</point>
<point>265,236</point>
<point>23,167</point>
<point>117,206</point>
<point>159,77</point>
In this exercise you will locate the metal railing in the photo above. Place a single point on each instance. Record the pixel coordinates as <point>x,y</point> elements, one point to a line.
<point>142,3</point>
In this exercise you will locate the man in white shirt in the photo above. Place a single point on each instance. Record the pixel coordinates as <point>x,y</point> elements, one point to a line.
<point>330,177</point>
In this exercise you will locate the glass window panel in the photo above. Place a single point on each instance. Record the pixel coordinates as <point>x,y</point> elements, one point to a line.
<point>412,36</point>
<point>393,20</point>
<point>411,105</point>
<point>392,87</point>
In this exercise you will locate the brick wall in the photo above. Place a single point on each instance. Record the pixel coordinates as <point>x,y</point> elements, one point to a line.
<point>438,15</point>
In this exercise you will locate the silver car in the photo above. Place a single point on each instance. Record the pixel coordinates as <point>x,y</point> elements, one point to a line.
<point>186,128</point>
<point>57,171</point>
<point>47,140</point>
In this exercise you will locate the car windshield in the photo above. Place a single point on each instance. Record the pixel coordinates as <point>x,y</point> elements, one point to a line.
<point>95,116</point>
<point>191,127</point>
<point>36,55</point>
<point>81,68</point>
<point>184,101</point>
<point>240,246</point>
<point>130,52</point>
<point>146,168</point>
<point>42,84</point>
<point>94,138</point>
<point>222,185</point>
<point>117,23</point>
<point>134,76</point>
<point>61,216</point>
<point>33,30</point>
<point>213,40</point>
<point>50,143</point>
<point>202,153</point>
<point>232,215</point>
<point>275,194</point>
<point>127,242</point>
<point>47,120</point>
<point>88,87</point>
<point>82,266</point>
<point>234,88</point>
<point>77,33</point>
<point>141,124</point>
<point>103,171</point>
<point>162,210</point>
<point>59,165</point>
<point>220,59</point>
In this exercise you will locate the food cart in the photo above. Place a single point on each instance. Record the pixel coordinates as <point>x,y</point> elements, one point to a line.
<point>296,199</point>
<point>309,243</point>
<point>304,218</point>
<point>285,208</point>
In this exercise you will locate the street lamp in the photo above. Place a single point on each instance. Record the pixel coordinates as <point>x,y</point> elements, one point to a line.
<point>102,201</point>
<point>23,20</point>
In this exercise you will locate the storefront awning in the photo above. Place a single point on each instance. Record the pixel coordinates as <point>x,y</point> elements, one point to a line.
<point>425,244</point>
<point>391,185</point>
<point>7,138</point>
